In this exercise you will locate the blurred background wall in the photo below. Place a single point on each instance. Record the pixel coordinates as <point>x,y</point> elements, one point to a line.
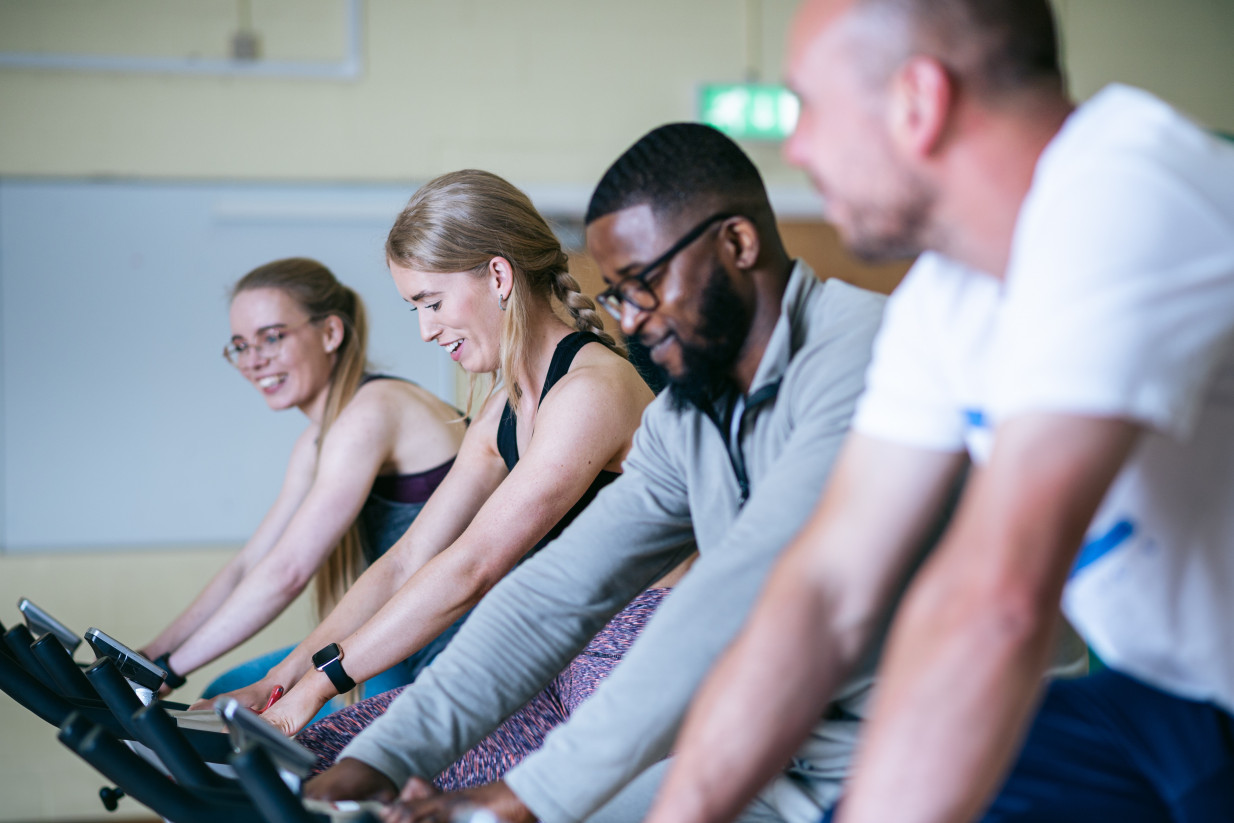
<point>358,99</point>
<point>543,92</point>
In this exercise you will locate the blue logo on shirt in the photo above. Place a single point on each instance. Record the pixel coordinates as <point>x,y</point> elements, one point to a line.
<point>1098,547</point>
<point>976,418</point>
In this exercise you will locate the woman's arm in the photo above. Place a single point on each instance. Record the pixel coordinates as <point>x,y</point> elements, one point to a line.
<point>584,425</point>
<point>296,484</point>
<point>355,448</point>
<point>477,471</point>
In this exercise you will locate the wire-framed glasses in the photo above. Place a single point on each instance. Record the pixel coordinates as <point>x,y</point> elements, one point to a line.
<point>268,344</point>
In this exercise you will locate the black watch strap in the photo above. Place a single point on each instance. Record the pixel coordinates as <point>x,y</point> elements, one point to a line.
<point>332,667</point>
<point>173,680</point>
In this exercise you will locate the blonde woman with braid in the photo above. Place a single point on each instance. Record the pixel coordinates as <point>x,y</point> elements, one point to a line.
<point>374,449</point>
<point>482,271</point>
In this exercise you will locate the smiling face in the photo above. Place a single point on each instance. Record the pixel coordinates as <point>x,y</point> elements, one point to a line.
<point>298,374</point>
<point>700,324</point>
<point>841,65</point>
<point>458,311</point>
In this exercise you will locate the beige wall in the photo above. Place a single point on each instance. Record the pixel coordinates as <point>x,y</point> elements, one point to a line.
<point>1178,49</point>
<point>545,93</point>
<point>542,92</point>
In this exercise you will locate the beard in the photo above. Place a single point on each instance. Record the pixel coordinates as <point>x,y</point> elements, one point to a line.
<point>707,365</point>
<point>889,219</point>
<point>888,232</point>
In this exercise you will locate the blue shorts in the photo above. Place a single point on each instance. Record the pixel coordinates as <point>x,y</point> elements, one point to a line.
<point>1108,747</point>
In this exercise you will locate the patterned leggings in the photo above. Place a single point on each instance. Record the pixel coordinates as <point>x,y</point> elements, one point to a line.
<point>524,731</point>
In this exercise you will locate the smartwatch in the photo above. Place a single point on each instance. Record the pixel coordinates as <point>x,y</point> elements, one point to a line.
<point>329,661</point>
<point>173,680</point>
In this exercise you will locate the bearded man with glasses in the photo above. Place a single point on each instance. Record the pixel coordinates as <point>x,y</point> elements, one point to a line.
<point>764,363</point>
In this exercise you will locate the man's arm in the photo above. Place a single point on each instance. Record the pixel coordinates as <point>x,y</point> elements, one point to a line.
<point>825,599</point>
<point>632,719</point>
<point>964,663</point>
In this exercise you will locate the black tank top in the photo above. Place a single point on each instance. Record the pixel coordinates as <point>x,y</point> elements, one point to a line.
<point>406,488</point>
<point>507,435</point>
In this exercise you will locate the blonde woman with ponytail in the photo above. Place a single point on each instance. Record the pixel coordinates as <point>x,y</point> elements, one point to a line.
<point>373,451</point>
<point>488,282</point>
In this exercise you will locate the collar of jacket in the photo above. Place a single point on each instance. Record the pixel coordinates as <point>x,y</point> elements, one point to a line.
<point>785,339</point>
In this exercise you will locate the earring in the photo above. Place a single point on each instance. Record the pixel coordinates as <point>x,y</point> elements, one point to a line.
<point>501,301</point>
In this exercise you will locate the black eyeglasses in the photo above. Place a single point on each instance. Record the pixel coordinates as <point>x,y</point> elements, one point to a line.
<point>635,289</point>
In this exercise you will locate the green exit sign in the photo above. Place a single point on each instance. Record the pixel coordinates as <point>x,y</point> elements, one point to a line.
<point>748,111</point>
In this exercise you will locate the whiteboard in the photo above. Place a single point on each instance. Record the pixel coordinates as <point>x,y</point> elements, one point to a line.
<point>122,424</point>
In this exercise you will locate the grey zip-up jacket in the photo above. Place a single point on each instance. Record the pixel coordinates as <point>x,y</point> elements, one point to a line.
<point>682,485</point>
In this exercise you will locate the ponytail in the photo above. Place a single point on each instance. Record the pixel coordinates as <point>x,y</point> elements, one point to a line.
<point>320,295</point>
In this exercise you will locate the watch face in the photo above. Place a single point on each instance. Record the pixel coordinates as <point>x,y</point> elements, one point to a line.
<point>331,652</point>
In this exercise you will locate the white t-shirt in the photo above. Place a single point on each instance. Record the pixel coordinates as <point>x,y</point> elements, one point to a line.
<point>1118,301</point>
